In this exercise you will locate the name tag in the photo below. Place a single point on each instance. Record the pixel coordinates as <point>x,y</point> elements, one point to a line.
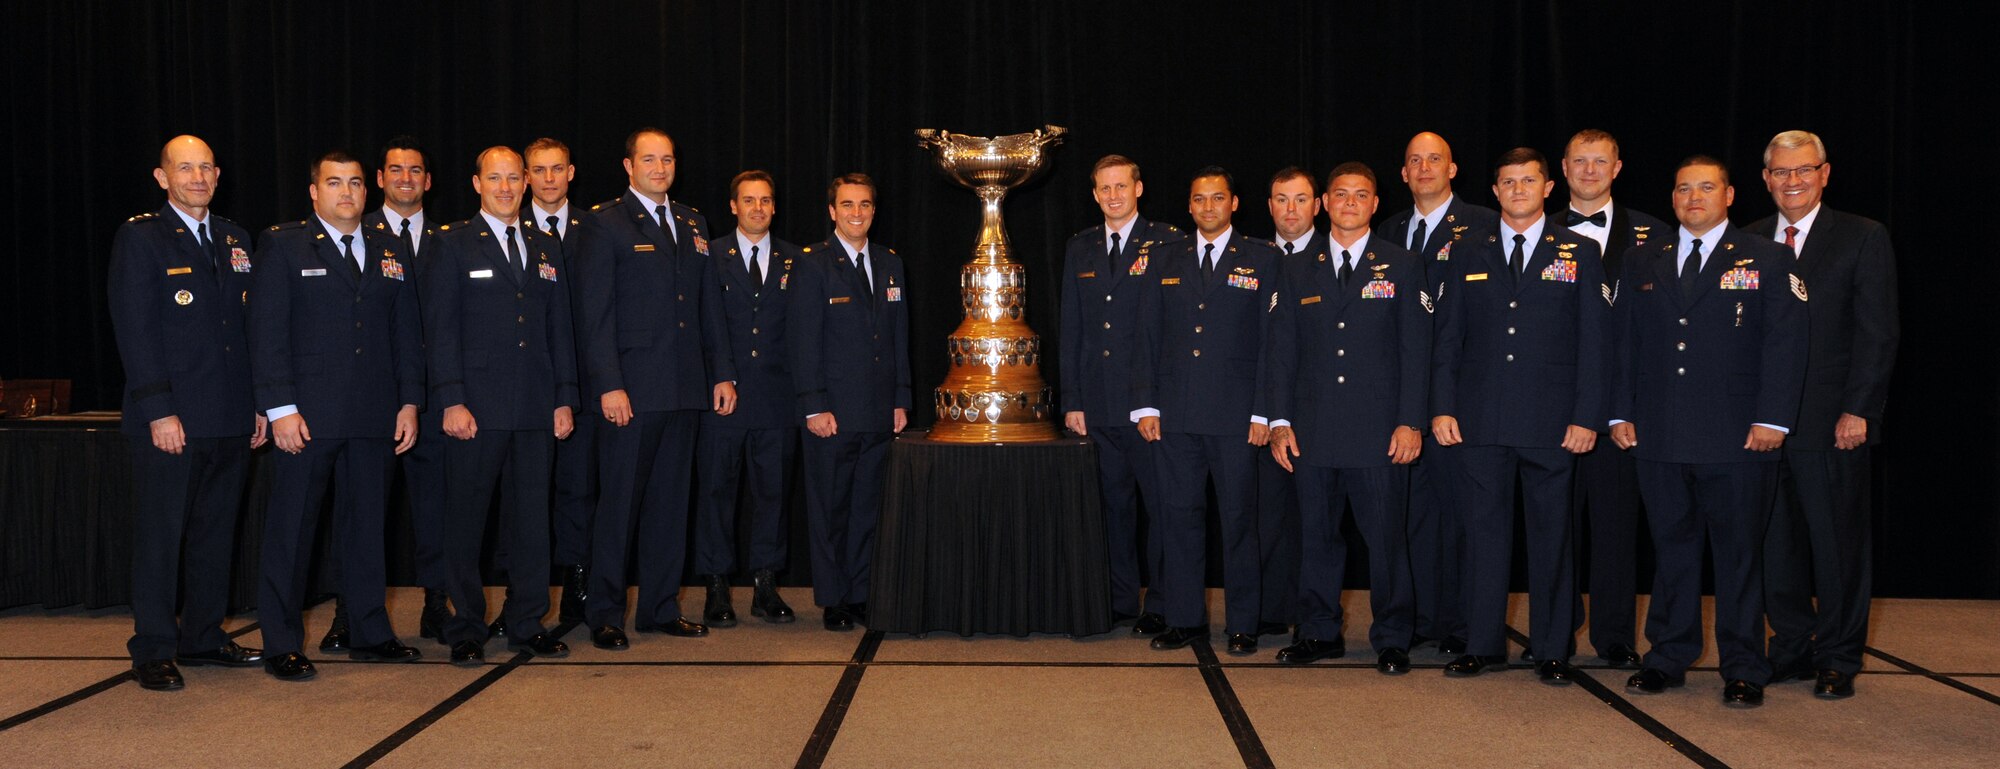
<point>1309,300</point>
<point>179,270</point>
<point>1476,276</point>
<point>640,247</point>
<point>312,273</point>
<point>1170,281</point>
<point>479,274</point>
<point>839,299</point>
<point>1091,274</point>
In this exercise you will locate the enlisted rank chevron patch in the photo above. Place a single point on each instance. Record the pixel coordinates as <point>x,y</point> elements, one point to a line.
<point>1798,287</point>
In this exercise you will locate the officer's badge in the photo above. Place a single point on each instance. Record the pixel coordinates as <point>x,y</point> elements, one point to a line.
<point>229,240</point>
<point>183,297</point>
<point>239,260</point>
<point>1798,287</point>
<point>1741,279</point>
<point>1378,289</point>
<point>1561,271</point>
<point>1564,246</point>
<point>1244,270</point>
<point>392,269</point>
<point>547,271</point>
<point>1453,218</point>
<point>1742,262</point>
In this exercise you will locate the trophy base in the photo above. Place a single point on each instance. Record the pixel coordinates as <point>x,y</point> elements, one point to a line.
<point>979,413</point>
<point>1018,432</point>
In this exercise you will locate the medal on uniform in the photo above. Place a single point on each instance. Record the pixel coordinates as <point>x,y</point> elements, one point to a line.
<point>1243,281</point>
<point>894,294</point>
<point>1378,289</point>
<point>701,245</point>
<point>1138,265</point>
<point>548,271</point>
<point>239,260</point>
<point>392,269</point>
<point>1562,270</point>
<point>183,297</point>
<point>1740,279</point>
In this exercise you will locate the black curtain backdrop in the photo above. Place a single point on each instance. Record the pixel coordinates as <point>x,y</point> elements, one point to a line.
<point>808,90</point>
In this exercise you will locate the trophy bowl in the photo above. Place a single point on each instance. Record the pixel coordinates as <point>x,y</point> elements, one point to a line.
<point>991,161</point>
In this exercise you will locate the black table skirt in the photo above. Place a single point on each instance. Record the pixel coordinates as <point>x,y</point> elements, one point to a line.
<point>981,538</point>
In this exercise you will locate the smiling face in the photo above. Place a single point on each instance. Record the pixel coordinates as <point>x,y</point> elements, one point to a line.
<point>499,183</point>
<point>1117,194</point>
<point>188,173</point>
<point>1590,167</point>
<point>651,165</point>
<point>404,179</point>
<point>1212,204</point>
<point>1701,197</point>
<point>1293,207</point>
<point>1350,203</point>
<point>338,192</point>
<point>549,175</point>
<point>1427,166</point>
<point>853,212</point>
<point>1799,181</point>
<point>754,206</point>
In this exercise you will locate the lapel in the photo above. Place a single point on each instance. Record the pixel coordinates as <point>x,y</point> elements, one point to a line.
<point>1819,244</point>
<point>1720,258</point>
<point>1539,257</point>
<point>1327,276</point>
<point>1110,267</point>
<point>1225,258</point>
<point>494,252</point>
<point>1434,240</point>
<point>188,242</point>
<point>731,262</point>
<point>687,239</point>
<point>774,265</point>
<point>328,251</point>
<point>1666,273</point>
<point>1616,240</point>
<point>537,255</point>
<point>647,229</point>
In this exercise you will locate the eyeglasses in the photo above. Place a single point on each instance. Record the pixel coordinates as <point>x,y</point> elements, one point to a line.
<point>1804,173</point>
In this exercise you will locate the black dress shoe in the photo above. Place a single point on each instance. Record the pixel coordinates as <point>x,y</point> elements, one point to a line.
<point>336,638</point>
<point>1796,670</point>
<point>1451,644</point>
<point>1179,637</point>
<point>159,676</point>
<point>290,667</point>
<point>1833,685</point>
<point>1742,694</point>
<point>386,651</point>
<point>836,618</point>
<point>859,611</point>
<point>679,628</point>
<point>1309,650</point>
<point>1555,672</point>
<point>1527,655</point>
<point>718,610</point>
<point>229,656</point>
<point>1149,623</point>
<point>1417,640</point>
<point>1620,656</point>
<point>609,638</point>
<point>1273,628</point>
<point>496,629</point>
<point>1393,661</point>
<point>573,593</point>
<point>541,645</point>
<point>430,623</point>
<point>765,601</point>
<point>468,654</point>
<point>1241,644</point>
<point>1653,681</point>
<point>1471,665</point>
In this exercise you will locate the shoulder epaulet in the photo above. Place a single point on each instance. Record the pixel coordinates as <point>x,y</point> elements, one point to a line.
<point>286,226</point>
<point>690,208</point>
<point>145,216</point>
<point>460,224</point>
<point>221,218</point>
<point>607,204</point>
<point>892,252</point>
<point>807,249</point>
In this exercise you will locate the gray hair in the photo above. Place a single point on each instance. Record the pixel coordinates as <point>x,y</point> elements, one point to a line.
<point>1792,140</point>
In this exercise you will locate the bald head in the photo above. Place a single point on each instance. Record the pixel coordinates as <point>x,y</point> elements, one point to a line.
<point>500,182</point>
<point>1428,170</point>
<point>188,173</point>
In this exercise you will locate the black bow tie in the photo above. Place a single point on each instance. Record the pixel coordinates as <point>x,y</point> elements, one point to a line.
<point>1576,219</point>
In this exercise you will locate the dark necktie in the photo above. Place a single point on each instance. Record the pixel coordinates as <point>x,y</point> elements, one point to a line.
<point>1346,266</point>
<point>861,274</point>
<point>1576,219</point>
<point>1514,262</point>
<point>1114,245</point>
<point>552,225</point>
<point>1288,248</point>
<point>208,246</point>
<point>1417,238</point>
<point>661,211</point>
<point>756,268</point>
<point>1208,261</point>
<point>347,252</point>
<point>409,246</point>
<point>1691,267</point>
<point>514,253</point>
<point>1791,242</point>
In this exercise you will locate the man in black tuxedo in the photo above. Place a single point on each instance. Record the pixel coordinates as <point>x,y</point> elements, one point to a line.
<point>752,449</point>
<point>1099,340</point>
<point>1437,222</point>
<point>1817,568</point>
<point>1519,379</point>
<point>1712,358</point>
<point>549,175</point>
<point>178,278</point>
<point>1606,501</point>
<point>655,356</point>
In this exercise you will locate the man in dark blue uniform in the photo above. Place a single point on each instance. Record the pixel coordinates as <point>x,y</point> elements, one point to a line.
<point>1103,275</point>
<point>1198,388</point>
<point>1818,561</point>
<point>1294,206</point>
<point>1349,366</point>
<point>178,282</point>
<point>655,353</point>
<point>761,435</point>
<point>1713,355</point>
<point>503,378</point>
<point>337,362</point>
<point>848,333</point>
<point>404,178</point>
<point>1518,378</point>
<point>1606,500</point>
<point>549,175</point>
<point>1430,230</point>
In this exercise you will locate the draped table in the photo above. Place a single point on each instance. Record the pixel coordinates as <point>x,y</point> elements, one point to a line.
<point>991,538</point>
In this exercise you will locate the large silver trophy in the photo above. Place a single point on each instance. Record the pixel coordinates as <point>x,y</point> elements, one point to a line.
<point>995,392</point>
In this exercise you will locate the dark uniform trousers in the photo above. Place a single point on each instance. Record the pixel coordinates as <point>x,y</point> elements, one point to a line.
<point>1605,506</point>
<point>424,478</point>
<point>645,483</point>
<point>1187,462</point>
<point>576,489</point>
<point>191,497</point>
<point>517,463</point>
<point>1127,475</point>
<point>1278,536</point>
<point>1378,497</point>
<point>722,454</point>
<point>1437,541</point>
<point>1724,505</point>
<point>845,475</point>
<point>291,524</point>
<point>1821,519</point>
<point>1488,477</point>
